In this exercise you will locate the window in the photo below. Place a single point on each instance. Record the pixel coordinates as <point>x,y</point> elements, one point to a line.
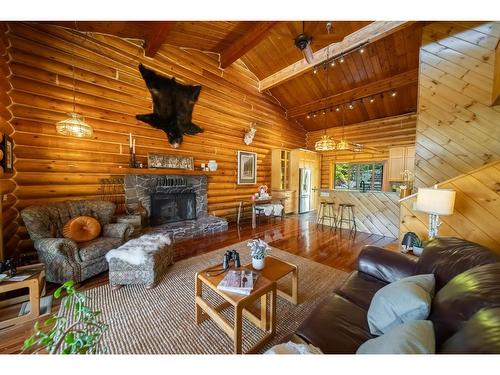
<point>358,176</point>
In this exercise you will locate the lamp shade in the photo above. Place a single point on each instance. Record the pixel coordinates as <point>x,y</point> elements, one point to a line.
<point>435,201</point>
<point>74,126</point>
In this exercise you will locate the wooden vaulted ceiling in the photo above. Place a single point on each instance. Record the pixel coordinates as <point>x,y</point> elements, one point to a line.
<point>267,49</point>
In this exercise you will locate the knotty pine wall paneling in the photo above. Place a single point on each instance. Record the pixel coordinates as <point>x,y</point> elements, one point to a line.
<point>458,132</point>
<point>110,92</point>
<point>475,216</point>
<point>9,213</point>
<point>376,134</point>
<point>457,126</point>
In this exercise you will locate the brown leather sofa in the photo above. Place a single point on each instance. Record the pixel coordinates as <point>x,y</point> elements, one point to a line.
<point>467,282</point>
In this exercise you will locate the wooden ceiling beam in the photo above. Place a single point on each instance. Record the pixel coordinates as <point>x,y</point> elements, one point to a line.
<point>368,34</point>
<point>245,43</point>
<point>157,36</point>
<point>407,78</point>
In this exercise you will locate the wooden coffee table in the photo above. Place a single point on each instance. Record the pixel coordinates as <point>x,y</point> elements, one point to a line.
<point>242,307</point>
<point>275,269</point>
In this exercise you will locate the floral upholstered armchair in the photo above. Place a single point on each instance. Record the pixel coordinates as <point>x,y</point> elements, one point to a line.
<point>64,258</point>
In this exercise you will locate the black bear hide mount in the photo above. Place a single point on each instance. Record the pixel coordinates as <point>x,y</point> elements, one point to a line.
<point>173,105</point>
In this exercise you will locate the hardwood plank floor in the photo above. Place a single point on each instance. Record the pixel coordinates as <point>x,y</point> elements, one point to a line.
<point>297,234</point>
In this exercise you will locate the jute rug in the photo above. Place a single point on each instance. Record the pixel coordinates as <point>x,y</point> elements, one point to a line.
<point>161,320</point>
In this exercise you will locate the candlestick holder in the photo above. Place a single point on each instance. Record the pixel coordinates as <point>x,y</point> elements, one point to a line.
<point>131,162</point>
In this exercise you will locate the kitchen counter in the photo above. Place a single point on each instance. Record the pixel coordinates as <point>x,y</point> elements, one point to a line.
<point>376,212</point>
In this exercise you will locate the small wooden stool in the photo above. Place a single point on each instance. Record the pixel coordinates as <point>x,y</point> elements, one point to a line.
<point>350,219</point>
<point>326,211</point>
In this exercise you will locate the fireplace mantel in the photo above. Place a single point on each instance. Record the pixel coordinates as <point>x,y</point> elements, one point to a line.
<point>163,172</point>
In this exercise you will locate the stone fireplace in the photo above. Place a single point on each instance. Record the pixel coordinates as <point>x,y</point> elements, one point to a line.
<point>172,207</point>
<point>174,203</point>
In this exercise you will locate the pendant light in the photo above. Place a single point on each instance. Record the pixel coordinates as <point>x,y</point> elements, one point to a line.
<point>326,143</point>
<point>74,125</point>
<point>343,145</point>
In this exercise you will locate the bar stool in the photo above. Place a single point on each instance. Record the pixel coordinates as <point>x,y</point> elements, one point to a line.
<point>350,219</point>
<point>326,211</point>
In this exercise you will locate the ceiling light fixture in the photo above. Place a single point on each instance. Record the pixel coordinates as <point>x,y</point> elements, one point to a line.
<point>372,100</point>
<point>326,143</point>
<point>343,145</point>
<point>393,94</point>
<point>74,125</point>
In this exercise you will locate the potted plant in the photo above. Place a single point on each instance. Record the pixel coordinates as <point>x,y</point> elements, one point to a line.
<point>258,251</point>
<point>59,335</point>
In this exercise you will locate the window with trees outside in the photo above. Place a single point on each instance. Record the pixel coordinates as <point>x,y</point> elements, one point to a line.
<point>358,176</point>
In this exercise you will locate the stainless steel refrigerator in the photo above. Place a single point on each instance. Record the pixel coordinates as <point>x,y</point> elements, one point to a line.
<point>304,190</point>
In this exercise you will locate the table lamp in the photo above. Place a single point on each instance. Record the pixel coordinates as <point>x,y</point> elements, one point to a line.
<point>435,202</point>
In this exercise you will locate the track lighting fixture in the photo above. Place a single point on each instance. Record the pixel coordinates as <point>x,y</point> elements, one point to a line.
<point>308,116</point>
<point>351,106</point>
<point>341,60</point>
<point>332,64</point>
<point>315,70</point>
<point>362,50</point>
<point>372,99</point>
<point>337,109</point>
<point>393,94</point>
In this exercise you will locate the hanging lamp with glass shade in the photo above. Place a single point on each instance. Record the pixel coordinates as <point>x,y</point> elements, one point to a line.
<point>74,125</point>
<point>325,143</point>
<point>343,145</point>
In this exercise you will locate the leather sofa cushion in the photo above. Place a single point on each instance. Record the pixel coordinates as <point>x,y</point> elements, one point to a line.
<point>359,288</point>
<point>480,335</point>
<point>385,265</point>
<point>336,325</point>
<point>414,337</point>
<point>447,257</point>
<point>462,297</point>
<point>97,248</point>
<point>82,229</point>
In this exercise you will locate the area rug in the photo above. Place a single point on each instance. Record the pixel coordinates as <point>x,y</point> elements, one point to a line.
<point>161,320</point>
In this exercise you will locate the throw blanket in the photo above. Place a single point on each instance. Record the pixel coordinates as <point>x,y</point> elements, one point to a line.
<point>270,209</point>
<point>136,251</point>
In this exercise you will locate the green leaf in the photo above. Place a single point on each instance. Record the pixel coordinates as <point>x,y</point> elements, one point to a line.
<point>52,320</point>
<point>69,284</point>
<point>29,342</point>
<point>69,338</point>
<point>58,292</point>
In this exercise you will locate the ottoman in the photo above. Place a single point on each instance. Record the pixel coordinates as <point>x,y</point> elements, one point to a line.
<point>142,260</point>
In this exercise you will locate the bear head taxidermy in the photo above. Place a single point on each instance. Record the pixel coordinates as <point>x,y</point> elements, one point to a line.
<point>173,105</point>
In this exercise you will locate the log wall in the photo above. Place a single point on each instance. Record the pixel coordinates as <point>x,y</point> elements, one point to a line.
<point>458,132</point>
<point>8,211</point>
<point>377,136</point>
<point>109,92</point>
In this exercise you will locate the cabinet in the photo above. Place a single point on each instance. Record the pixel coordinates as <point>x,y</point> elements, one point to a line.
<point>280,175</point>
<point>400,159</point>
<point>289,196</point>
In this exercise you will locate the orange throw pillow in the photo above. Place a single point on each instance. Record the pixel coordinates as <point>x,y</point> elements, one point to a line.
<point>82,228</point>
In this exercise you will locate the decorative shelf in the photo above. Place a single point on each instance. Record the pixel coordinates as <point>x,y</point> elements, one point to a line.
<point>174,172</point>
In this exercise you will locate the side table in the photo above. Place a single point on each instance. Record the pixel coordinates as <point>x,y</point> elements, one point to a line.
<point>36,285</point>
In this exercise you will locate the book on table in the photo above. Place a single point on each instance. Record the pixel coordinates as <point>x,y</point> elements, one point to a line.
<point>238,281</point>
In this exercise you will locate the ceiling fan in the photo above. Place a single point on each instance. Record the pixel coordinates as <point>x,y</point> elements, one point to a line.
<point>311,31</point>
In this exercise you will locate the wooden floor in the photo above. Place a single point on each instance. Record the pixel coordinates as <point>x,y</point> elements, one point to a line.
<point>297,234</point>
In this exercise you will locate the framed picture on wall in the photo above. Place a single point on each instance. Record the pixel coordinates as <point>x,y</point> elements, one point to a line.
<point>247,168</point>
<point>8,154</point>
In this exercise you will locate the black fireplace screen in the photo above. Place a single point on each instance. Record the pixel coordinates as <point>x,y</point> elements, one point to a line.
<point>172,207</point>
